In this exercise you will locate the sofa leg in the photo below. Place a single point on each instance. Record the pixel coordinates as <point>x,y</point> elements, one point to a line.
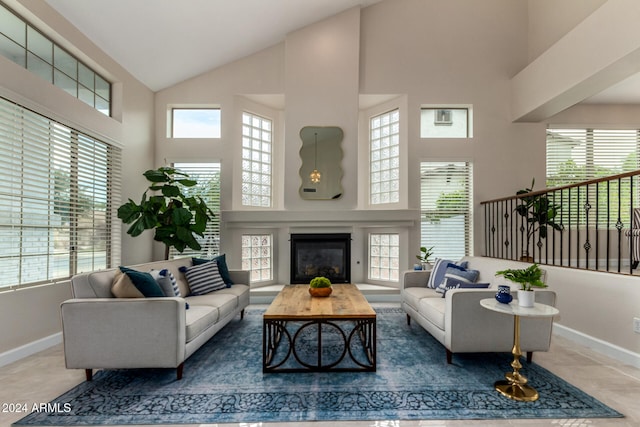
<point>89,374</point>
<point>408,320</point>
<point>179,371</point>
<point>449,357</point>
<point>529,356</point>
<point>242,314</point>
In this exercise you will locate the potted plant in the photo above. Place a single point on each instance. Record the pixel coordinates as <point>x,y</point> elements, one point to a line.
<point>320,287</point>
<point>423,257</point>
<point>175,216</point>
<point>527,278</point>
<point>539,213</point>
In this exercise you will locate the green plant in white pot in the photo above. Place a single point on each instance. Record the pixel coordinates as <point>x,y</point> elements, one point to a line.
<point>528,278</point>
<point>425,254</point>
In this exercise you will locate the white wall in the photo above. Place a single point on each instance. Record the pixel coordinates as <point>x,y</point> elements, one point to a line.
<point>131,127</point>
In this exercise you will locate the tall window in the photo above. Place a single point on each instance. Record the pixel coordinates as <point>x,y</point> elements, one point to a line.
<point>195,123</point>
<point>384,139</point>
<point>208,177</point>
<point>58,194</point>
<point>384,254</point>
<point>446,208</point>
<point>27,47</point>
<point>256,160</point>
<point>257,257</point>
<point>576,155</point>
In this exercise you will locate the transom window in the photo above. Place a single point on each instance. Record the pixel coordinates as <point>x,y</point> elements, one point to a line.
<point>257,160</point>
<point>58,190</point>
<point>384,139</point>
<point>29,48</point>
<point>195,123</point>
<point>446,208</point>
<point>445,122</point>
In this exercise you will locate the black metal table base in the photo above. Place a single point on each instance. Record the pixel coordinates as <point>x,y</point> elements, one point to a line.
<point>280,346</point>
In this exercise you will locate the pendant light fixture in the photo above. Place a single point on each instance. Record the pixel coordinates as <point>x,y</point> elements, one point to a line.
<point>315,175</point>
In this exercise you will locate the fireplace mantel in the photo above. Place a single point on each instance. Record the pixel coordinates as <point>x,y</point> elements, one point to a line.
<point>321,218</point>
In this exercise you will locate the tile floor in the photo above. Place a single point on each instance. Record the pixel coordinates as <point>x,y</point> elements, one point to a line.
<point>42,377</point>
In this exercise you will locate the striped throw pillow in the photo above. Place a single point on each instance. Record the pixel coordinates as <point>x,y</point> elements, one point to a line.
<point>203,279</point>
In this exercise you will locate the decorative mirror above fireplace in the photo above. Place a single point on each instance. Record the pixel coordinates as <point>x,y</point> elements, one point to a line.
<point>321,170</point>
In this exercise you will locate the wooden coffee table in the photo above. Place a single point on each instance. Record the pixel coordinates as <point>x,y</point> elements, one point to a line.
<point>319,332</point>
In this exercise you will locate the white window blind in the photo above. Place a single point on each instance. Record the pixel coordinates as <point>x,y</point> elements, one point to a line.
<point>208,177</point>
<point>384,158</point>
<point>446,208</point>
<point>256,160</point>
<point>59,192</point>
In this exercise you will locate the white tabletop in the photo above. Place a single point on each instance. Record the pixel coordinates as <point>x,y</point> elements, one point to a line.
<point>538,310</point>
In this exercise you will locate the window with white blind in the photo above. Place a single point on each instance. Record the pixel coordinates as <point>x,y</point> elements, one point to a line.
<point>59,191</point>
<point>256,160</point>
<point>384,160</point>
<point>29,48</point>
<point>257,257</point>
<point>208,177</point>
<point>384,256</point>
<point>446,205</point>
<point>577,155</point>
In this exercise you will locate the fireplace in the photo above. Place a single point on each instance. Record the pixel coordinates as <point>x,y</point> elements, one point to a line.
<point>327,255</point>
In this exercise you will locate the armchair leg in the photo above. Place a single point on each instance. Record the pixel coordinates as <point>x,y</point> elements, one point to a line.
<point>408,320</point>
<point>449,357</point>
<point>179,371</point>
<point>89,374</point>
<point>529,356</point>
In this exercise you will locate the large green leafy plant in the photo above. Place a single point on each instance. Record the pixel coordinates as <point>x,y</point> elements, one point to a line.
<point>526,277</point>
<point>176,217</point>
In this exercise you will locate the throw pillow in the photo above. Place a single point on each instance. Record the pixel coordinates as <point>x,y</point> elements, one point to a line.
<point>439,269</point>
<point>163,281</point>
<point>123,287</point>
<point>144,282</point>
<point>460,285</point>
<point>174,283</point>
<point>203,278</point>
<point>221,260</point>
<point>456,274</point>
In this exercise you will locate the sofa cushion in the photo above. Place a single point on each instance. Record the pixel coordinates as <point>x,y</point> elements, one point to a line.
<point>225,303</point>
<point>433,309</point>
<point>199,319</point>
<point>204,278</point>
<point>439,269</point>
<point>221,261</point>
<point>412,296</point>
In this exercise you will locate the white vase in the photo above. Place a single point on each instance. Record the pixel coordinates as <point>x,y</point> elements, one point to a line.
<point>526,298</point>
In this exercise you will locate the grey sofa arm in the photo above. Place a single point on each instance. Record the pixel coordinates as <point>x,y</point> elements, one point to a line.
<point>124,332</point>
<point>241,277</point>
<point>415,279</point>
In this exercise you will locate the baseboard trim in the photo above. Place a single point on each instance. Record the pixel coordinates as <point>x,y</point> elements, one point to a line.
<point>623,355</point>
<point>26,350</point>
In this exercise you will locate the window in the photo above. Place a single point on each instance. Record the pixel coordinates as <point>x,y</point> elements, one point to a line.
<point>256,256</point>
<point>384,158</point>
<point>256,160</point>
<point>195,123</point>
<point>576,155</point>
<point>57,192</point>
<point>384,253</point>
<point>208,177</point>
<point>445,123</point>
<point>446,208</point>
<point>27,47</point>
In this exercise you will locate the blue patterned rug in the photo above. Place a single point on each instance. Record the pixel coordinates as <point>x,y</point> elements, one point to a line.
<point>223,382</point>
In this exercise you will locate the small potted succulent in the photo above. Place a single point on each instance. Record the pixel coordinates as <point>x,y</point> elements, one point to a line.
<point>320,287</point>
<point>527,278</point>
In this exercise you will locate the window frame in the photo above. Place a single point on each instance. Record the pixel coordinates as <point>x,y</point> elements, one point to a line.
<point>270,164</point>
<point>425,119</point>
<point>171,119</point>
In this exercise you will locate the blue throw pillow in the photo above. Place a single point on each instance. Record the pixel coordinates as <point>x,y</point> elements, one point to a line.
<point>456,274</point>
<point>452,284</point>
<point>144,282</point>
<point>439,269</point>
<point>221,260</point>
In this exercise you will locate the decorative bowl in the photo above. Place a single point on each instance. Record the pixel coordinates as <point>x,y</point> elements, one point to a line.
<point>320,292</point>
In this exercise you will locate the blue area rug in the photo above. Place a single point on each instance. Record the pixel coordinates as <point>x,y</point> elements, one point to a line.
<point>223,382</point>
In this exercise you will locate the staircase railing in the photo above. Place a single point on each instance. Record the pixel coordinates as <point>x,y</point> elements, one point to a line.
<point>589,225</point>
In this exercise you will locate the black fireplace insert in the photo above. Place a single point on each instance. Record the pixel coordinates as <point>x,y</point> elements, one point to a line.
<point>327,255</point>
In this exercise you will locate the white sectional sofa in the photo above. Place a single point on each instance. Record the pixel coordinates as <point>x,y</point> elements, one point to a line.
<point>102,331</point>
<point>462,325</point>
